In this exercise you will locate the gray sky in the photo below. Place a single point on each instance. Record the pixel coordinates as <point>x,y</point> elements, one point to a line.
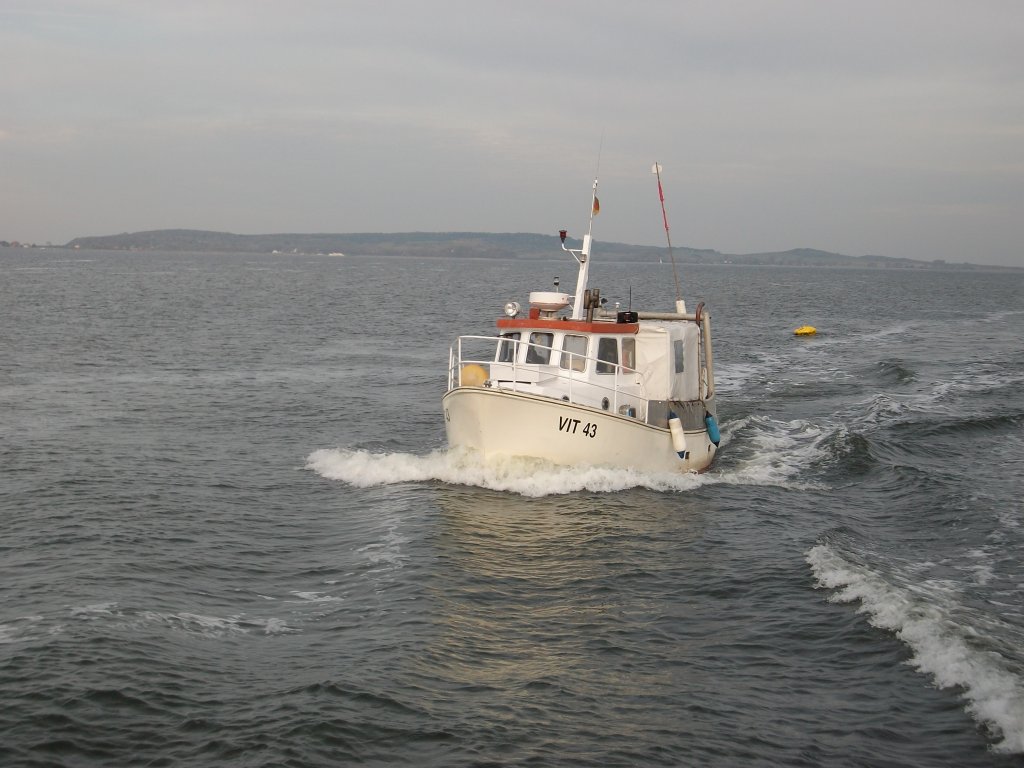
<point>872,127</point>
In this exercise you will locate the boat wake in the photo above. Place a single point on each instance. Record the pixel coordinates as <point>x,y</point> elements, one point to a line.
<point>34,629</point>
<point>456,466</point>
<point>765,453</point>
<point>948,642</point>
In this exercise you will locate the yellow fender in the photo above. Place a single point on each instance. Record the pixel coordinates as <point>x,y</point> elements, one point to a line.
<point>472,375</point>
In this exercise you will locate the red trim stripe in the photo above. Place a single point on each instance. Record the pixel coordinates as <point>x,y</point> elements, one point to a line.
<point>568,325</point>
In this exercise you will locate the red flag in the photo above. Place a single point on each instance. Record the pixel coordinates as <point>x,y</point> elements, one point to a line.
<point>597,206</point>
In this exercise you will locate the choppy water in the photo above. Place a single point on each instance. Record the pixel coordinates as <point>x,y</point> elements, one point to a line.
<point>233,535</point>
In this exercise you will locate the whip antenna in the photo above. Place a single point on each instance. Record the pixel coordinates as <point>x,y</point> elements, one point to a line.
<point>680,304</point>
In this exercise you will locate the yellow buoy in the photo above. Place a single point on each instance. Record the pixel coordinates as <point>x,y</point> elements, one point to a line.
<point>472,375</point>
<point>805,330</point>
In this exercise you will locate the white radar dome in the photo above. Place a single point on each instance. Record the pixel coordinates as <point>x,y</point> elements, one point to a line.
<point>549,301</point>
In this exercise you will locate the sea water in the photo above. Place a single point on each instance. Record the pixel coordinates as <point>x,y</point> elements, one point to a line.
<point>234,535</point>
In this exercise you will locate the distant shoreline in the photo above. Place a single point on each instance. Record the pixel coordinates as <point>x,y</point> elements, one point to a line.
<point>478,245</point>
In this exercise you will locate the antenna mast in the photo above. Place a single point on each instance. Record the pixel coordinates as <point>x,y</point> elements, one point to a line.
<point>582,256</point>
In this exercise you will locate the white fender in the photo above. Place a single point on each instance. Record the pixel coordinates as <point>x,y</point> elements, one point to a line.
<point>675,426</point>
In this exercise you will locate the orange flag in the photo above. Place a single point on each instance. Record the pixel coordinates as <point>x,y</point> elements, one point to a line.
<point>597,206</point>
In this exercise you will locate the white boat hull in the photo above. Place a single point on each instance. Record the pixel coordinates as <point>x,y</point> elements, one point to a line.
<point>500,423</point>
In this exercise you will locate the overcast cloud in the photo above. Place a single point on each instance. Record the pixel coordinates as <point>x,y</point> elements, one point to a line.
<point>892,128</point>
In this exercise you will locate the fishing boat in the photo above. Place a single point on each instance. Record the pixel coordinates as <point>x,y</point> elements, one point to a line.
<point>573,383</point>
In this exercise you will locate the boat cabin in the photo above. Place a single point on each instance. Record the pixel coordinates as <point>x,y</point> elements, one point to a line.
<point>629,368</point>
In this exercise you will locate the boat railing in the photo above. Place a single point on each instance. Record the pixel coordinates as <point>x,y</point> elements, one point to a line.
<point>622,381</point>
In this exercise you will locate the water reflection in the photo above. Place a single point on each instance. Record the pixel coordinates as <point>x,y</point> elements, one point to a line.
<point>533,592</point>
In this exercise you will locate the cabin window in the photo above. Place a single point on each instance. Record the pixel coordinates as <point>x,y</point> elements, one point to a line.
<point>574,353</point>
<point>678,349</point>
<point>540,348</point>
<point>629,353</point>
<point>607,355</point>
<point>508,347</point>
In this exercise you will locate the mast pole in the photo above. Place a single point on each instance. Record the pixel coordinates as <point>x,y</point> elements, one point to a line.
<point>680,304</point>
<point>578,310</point>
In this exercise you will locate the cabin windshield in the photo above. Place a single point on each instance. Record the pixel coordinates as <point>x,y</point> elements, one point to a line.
<point>574,353</point>
<point>539,350</point>
<point>629,353</point>
<point>508,347</point>
<point>607,354</point>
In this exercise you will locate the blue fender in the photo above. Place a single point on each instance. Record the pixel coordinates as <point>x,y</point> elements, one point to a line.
<point>713,434</point>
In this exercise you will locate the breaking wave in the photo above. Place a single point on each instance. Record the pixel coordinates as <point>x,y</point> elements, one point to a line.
<point>951,650</point>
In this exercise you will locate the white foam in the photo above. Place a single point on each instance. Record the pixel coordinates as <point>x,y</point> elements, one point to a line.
<point>317,597</point>
<point>277,627</point>
<point>978,381</point>
<point>1010,518</point>
<point>923,619</point>
<point>197,623</point>
<point>773,452</point>
<point>217,626</point>
<point>19,629</point>
<point>388,551</point>
<point>854,338</point>
<point>878,409</point>
<point>982,567</point>
<point>770,452</point>
<point>95,610</point>
<point>941,397</point>
<point>185,621</point>
<point>527,477</point>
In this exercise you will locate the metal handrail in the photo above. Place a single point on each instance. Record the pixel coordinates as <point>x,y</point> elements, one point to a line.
<point>457,360</point>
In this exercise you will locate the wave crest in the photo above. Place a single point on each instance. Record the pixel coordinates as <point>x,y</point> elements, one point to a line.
<point>943,647</point>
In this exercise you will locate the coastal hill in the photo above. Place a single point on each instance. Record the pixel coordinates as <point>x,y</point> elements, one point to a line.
<point>468,244</point>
